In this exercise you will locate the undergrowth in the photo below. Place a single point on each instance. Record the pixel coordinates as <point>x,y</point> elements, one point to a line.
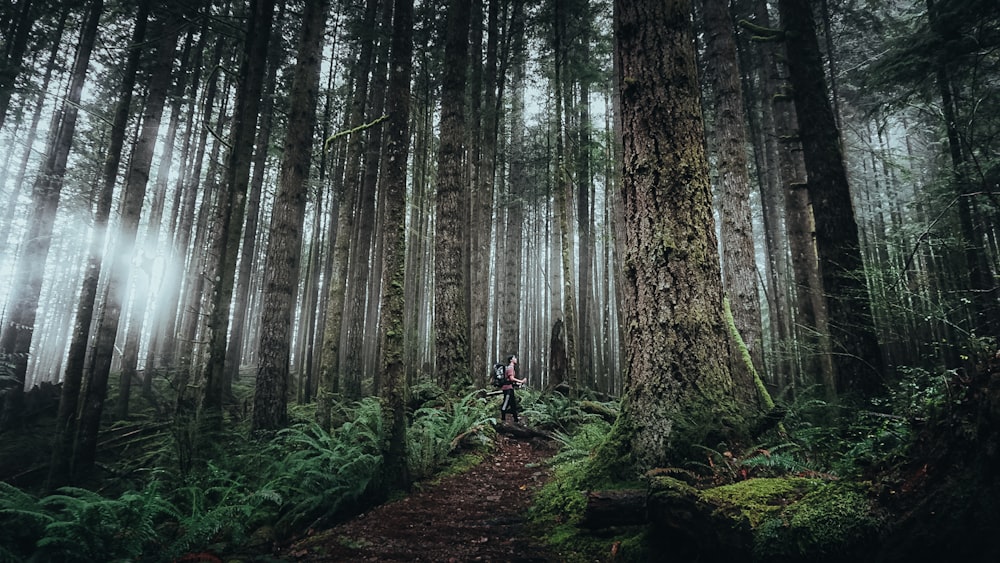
<point>243,494</point>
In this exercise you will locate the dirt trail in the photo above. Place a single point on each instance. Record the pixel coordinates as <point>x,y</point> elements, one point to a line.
<point>474,516</point>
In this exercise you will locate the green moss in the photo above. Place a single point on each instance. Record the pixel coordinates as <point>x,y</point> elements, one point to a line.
<point>759,499</point>
<point>834,520</point>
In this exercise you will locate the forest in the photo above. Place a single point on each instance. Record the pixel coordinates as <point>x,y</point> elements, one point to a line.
<point>258,259</point>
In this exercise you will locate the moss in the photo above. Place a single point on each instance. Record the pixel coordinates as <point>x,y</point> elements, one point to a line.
<point>759,499</point>
<point>831,522</point>
<point>558,508</point>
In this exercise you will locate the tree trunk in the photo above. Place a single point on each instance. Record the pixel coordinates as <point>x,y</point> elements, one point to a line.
<point>332,372</point>
<point>249,249</point>
<point>394,384</point>
<point>284,249</point>
<point>857,358</point>
<point>229,218</point>
<point>98,370</point>
<point>679,388</point>
<point>451,317</point>
<point>14,48</point>
<point>66,422</point>
<point>739,267</point>
<point>15,336</point>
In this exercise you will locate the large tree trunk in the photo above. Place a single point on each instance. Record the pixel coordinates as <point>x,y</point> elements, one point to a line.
<point>393,373</point>
<point>451,316</point>
<point>739,267</point>
<point>284,249</point>
<point>19,323</point>
<point>857,357</point>
<point>679,388</point>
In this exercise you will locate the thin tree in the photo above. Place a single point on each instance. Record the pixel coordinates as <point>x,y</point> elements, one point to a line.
<point>230,212</point>
<point>73,373</point>
<point>284,250</point>
<point>679,389</point>
<point>391,362</point>
<point>98,368</point>
<point>19,324</point>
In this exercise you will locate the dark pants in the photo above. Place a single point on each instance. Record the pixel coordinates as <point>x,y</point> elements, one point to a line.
<point>509,405</point>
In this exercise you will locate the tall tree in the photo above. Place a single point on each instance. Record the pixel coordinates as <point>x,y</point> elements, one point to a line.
<point>13,52</point>
<point>251,231</point>
<point>73,373</point>
<point>98,369</point>
<point>230,213</point>
<point>19,324</point>
<point>391,365</point>
<point>679,389</point>
<point>284,250</point>
<point>739,267</point>
<point>857,356</point>
<point>451,317</point>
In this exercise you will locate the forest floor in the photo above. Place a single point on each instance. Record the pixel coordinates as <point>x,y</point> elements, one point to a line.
<point>478,515</point>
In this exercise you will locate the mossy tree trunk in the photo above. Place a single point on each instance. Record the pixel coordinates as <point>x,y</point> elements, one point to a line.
<point>679,388</point>
<point>393,374</point>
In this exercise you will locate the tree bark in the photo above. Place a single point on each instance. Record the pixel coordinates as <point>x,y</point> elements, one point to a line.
<point>284,250</point>
<point>66,422</point>
<point>857,356</point>
<point>739,267</point>
<point>451,316</point>
<point>98,370</point>
<point>391,366</point>
<point>679,388</point>
<point>230,214</point>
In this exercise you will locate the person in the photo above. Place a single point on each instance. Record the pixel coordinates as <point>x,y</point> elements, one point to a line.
<point>509,404</point>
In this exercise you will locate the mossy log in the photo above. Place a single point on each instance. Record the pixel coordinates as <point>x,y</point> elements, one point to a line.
<point>778,519</point>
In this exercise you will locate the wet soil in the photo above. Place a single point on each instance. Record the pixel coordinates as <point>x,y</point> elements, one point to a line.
<point>479,515</point>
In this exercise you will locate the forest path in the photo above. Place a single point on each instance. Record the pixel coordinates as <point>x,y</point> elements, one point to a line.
<point>474,516</point>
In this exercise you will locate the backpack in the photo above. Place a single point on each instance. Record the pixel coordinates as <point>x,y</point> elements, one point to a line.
<point>499,377</point>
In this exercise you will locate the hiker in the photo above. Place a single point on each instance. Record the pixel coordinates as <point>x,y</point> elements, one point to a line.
<point>509,404</point>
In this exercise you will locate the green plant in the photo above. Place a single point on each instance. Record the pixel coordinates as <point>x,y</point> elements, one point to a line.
<point>86,526</point>
<point>318,473</point>
<point>216,507</point>
<point>436,431</point>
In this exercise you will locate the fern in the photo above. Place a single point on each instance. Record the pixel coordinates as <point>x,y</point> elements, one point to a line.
<point>432,436</point>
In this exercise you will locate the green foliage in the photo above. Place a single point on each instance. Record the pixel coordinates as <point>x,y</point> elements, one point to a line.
<point>555,411</point>
<point>75,524</point>
<point>319,473</point>
<point>437,430</point>
<point>829,522</point>
<point>759,499</point>
<point>216,507</point>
